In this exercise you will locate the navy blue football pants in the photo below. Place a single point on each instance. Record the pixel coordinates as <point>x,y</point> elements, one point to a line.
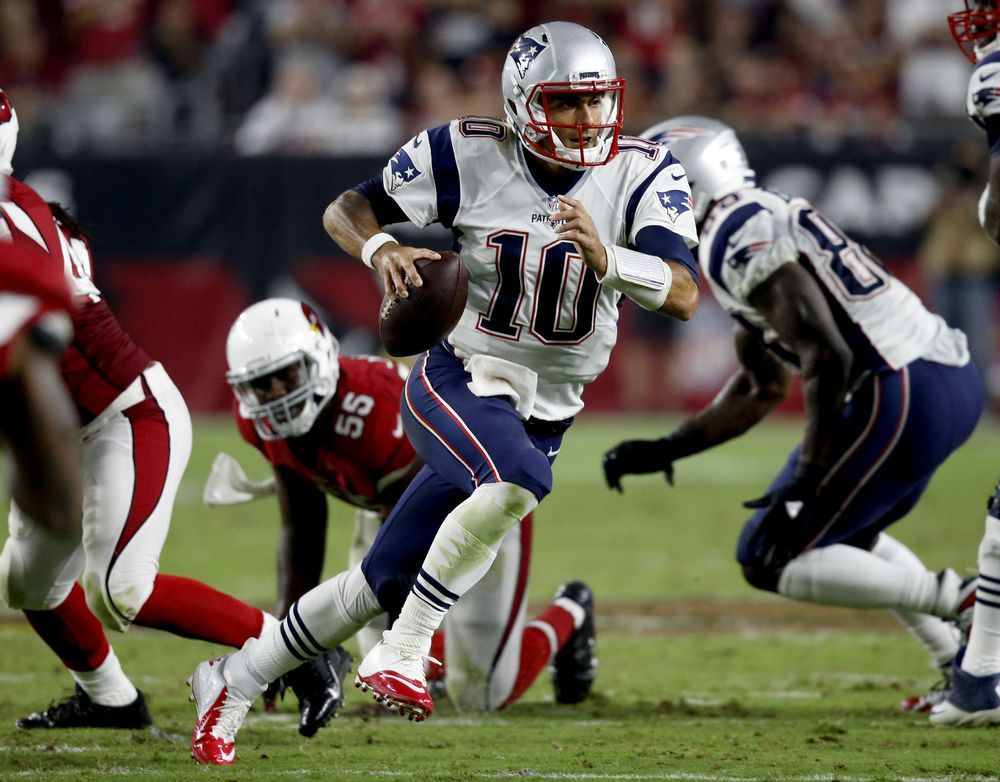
<point>465,441</point>
<point>896,430</point>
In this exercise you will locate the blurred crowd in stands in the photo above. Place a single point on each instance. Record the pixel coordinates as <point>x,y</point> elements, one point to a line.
<point>359,76</point>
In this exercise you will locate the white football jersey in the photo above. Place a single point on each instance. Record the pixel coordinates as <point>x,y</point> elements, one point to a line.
<point>78,266</point>
<point>531,300</point>
<point>982,98</point>
<point>749,234</point>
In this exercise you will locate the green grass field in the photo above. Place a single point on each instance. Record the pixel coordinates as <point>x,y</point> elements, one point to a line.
<point>700,678</point>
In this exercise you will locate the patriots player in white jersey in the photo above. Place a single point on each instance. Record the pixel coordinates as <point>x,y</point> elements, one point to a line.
<point>974,695</point>
<point>889,393</point>
<point>557,217</point>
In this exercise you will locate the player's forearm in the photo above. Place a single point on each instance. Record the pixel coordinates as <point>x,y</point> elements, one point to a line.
<point>824,380</point>
<point>738,407</point>
<point>683,296</point>
<point>300,564</point>
<point>990,211</point>
<point>350,221</point>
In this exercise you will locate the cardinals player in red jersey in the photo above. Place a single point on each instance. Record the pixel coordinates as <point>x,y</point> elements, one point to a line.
<point>329,424</point>
<point>36,416</point>
<point>136,439</point>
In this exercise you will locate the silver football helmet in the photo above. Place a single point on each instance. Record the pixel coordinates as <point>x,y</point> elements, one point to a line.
<point>560,57</point>
<point>8,134</point>
<point>283,366</point>
<point>712,156</point>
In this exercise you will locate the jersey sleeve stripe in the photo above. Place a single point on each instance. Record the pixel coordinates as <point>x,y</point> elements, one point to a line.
<point>660,241</point>
<point>446,182</point>
<point>640,191</point>
<point>730,225</point>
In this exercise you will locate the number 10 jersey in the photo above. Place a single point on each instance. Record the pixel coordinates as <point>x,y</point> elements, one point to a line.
<point>532,300</point>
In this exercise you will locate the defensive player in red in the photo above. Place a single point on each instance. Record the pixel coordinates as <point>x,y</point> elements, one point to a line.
<point>136,439</point>
<point>37,421</point>
<point>330,424</point>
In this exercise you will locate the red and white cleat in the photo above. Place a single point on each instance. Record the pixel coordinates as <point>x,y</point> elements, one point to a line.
<point>220,713</point>
<point>396,680</point>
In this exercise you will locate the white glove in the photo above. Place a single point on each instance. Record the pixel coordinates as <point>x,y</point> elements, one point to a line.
<point>228,484</point>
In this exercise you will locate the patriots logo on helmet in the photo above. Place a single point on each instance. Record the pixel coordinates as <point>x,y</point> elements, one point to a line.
<point>676,202</point>
<point>985,96</point>
<point>524,52</point>
<point>402,170</point>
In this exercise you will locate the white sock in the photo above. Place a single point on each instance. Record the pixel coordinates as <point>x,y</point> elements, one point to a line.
<point>982,656</point>
<point>319,620</point>
<point>938,637</point>
<point>107,685</point>
<point>842,575</point>
<point>462,552</point>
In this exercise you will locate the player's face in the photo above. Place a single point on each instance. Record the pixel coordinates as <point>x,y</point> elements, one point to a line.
<point>270,388</point>
<point>573,109</point>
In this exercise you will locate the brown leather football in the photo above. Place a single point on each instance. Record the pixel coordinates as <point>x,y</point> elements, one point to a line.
<point>414,324</point>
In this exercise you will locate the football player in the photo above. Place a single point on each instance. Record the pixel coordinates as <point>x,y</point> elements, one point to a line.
<point>37,419</point>
<point>136,438</point>
<point>974,695</point>
<point>878,373</point>
<point>330,424</point>
<point>557,217</point>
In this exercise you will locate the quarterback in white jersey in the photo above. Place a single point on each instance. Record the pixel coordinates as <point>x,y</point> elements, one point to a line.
<point>531,299</point>
<point>889,393</point>
<point>556,217</point>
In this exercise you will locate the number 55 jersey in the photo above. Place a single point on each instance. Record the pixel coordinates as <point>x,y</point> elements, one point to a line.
<point>749,234</point>
<point>532,300</point>
<point>356,449</point>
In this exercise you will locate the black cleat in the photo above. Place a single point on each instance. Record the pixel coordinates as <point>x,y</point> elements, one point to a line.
<point>79,711</point>
<point>575,664</point>
<point>319,683</point>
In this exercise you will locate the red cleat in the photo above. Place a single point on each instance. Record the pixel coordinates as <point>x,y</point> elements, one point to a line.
<point>220,713</point>
<point>396,680</point>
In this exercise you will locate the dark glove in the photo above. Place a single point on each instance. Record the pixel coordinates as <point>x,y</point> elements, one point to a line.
<point>635,457</point>
<point>788,513</point>
<point>319,683</point>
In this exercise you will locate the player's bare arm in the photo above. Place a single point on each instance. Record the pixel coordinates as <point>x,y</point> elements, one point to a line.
<point>748,396</point>
<point>302,541</point>
<point>578,227</point>
<point>990,212</point>
<point>792,303</point>
<point>350,222</point>
<point>40,424</point>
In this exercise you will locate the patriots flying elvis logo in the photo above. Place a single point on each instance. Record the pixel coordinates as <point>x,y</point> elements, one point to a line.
<point>524,52</point>
<point>402,169</point>
<point>985,96</point>
<point>676,202</point>
<point>743,255</point>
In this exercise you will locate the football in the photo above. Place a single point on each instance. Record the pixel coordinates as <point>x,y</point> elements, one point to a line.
<point>418,322</point>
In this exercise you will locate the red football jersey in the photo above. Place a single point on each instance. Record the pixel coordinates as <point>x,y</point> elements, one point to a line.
<point>31,265</point>
<point>362,455</point>
<point>102,360</point>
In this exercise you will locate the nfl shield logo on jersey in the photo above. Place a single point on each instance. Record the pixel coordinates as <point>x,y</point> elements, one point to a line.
<point>402,170</point>
<point>524,52</point>
<point>676,202</point>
